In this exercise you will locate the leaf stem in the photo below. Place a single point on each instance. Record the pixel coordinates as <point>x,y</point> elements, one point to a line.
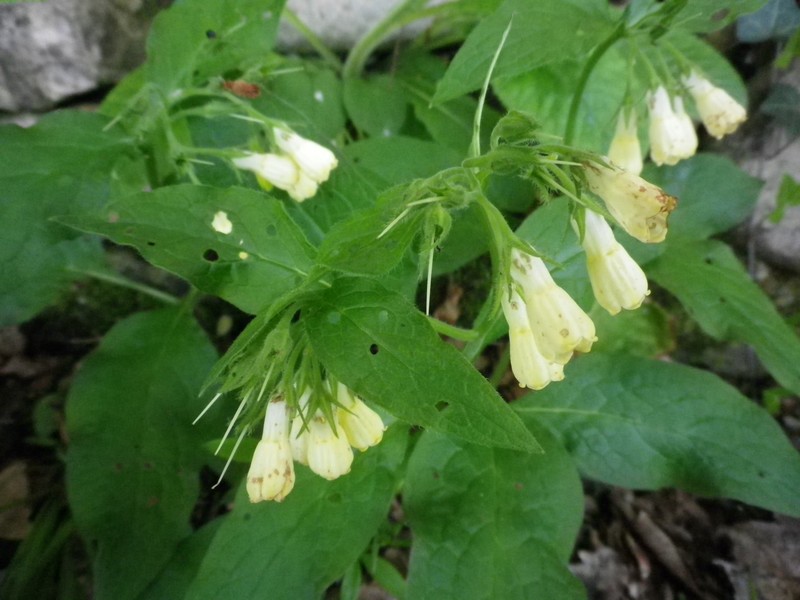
<point>457,333</point>
<point>313,39</point>
<point>580,88</point>
<point>121,281</point>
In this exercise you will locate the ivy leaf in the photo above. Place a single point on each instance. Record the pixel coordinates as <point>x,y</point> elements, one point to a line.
<point>732,307</point>
<point>647,424</point>
<point>262,257</point>
<point>134,456</point>
<point>297,548</point>
<point>59,166</point>
<point>491,523</point>
<point>381,347</point>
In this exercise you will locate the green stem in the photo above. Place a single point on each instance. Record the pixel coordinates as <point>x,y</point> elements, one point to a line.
<point>597,54</point>
<point>457,333</point>
<point>124,282</point>
<point>501,366</point>
<point>313,39</point>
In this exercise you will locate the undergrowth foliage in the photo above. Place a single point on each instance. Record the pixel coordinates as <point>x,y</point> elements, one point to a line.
<point>318,196</point>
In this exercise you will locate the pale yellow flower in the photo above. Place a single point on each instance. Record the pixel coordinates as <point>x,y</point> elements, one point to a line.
<point>625,150</point>
<point>314,160</point>
<point>670,140</point>
<point>720,113</point>
<point>271,475</point>
<point>329,454</point>
<point>362,425</point>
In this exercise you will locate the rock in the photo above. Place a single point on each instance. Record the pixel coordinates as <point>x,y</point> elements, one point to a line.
<point>50,51</point>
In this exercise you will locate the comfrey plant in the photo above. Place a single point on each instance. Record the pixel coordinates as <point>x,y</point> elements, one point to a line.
<point>436,308</point>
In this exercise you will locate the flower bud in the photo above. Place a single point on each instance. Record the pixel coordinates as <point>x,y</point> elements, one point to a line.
<point>314,160</point>
<point>558,324</point>
<point>720,113</point>
<point>271,474</point>
<point>362,425</point>
<point>640,207</point>
<point>528,365</point>
<point>617,280</point>
<point>670,140</point>
<point>329,453</point>
<point>625,150</point>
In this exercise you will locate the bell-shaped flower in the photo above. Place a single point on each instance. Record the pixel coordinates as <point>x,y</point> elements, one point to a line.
<point>362,425</point>
<point>529,366</point>
<point>314,160</point>
<point>720,113</point>
<point>558,324</point>
<point>640,207</point>
<point>271,474</point>
<point>625,150</point>
<point>670,140</point>
<point>617,280</point>
<point>688,133</point>
<point>279,171</point>
<point>329,453</point>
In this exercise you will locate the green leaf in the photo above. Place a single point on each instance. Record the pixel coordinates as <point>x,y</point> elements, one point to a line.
<point>196,39</point>
<point>381,347</point>
<point>703,16</point>
<point>263,257</point>
<point>59,166</point>
<point>297,548</point>
<point>714,195</point>
<point>378,105</point>
<point>645,331</point>
<point>718,293</point>
<point>776,19</point>
<point>492,523</point>
<point>563,29</point>
<point>648,424</point>
<point>398,159</point>
<point>788,196</point>
<point>134,456</point>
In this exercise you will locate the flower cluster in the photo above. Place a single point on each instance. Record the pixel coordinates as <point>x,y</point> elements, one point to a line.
<point>298,168</point>
<point>324,441</point>
<point>672,134</point>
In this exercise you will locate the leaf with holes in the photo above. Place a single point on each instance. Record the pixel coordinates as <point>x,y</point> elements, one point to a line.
<point>647,424</point>
<point>134,456</point>
<point>491,523</point>
<point>236,243</point>
<point>297,548</point>
<point>379,345</point>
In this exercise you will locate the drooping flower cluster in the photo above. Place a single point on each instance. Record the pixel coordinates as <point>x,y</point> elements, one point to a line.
<point>324,441</point>
<point>672,134</point>
<point>298,167</point>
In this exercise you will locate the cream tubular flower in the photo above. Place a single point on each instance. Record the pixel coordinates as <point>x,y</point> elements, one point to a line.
<point>669,139</point>
<point>329,453</point>
<point>271,474</point>
<point>617,280</point>
<point>558,324</point>
<point>528,365</point>
<point>640,207</point>
<point>298,434</point>
<point>688,134</point>
<point>362,425</point>
<point>314,160</point>
<point>278,170</point>
<point>625,150</point>
<point>720,113</point>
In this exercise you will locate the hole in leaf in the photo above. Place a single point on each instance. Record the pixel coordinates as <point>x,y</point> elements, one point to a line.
<point>211,255</point>
<point>442,405</point>
<point>271,230</point>
<point>151,243</point>
<point>296,316</point>
<point>373,349</point>
<point>211,34</point>
<point>335,498</point>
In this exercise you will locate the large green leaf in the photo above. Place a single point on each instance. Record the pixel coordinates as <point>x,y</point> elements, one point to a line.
<point>648,424</point>
<point>134,456</point>
<point>541,32</point>
<point>492,523</point>
<point>59,166</point>
<point>296,549</point>
<point>264,255</point>
<point>398,159</point>
<point>380,346</point>
<point>196,39</point>
<point>718,293</point>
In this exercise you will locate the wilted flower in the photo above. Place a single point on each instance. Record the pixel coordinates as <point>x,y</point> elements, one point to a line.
<point>329,453</point>
<point>271,474</point>
<point>670,139</point>
<point>314,160</point>
<point>558,324</point>
<point>279,171</point>
<point>529,366</point>
<point>617,280</point>
<point>625,150</point>
<point>362,425</point>
<point>720,113</point>
<point>640,207</point>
